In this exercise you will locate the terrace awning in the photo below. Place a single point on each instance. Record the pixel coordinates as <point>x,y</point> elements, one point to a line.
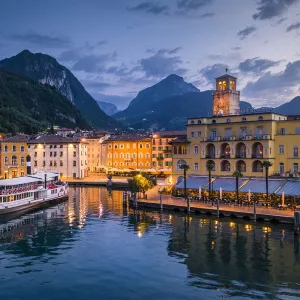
<point>258,185</point>
<point>226,183</point>
<point>193,182</point>
<point>290,188</point>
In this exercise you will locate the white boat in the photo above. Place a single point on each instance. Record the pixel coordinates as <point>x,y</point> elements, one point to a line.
<point>23,193</point>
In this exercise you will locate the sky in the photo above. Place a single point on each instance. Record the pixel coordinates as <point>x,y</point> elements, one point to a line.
<point>118,47</point>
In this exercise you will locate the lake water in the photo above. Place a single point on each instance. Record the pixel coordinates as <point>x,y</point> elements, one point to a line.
<point>91,247</point>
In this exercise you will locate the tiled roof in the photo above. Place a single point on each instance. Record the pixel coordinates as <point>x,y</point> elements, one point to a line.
<point>179,140</point>
<point>52,139</point>
<point>169,133</point>
<point>129,137</point>
<point>20,138</point>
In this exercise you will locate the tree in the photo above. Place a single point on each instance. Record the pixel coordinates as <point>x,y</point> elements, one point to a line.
<point>209,168</point>
<point>237,174</point>
<point>141,183</point>
<point>185,167</point>
<point>267,164</point>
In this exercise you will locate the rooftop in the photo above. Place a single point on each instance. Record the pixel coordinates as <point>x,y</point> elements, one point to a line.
<point>129,137</point>
<point>175,133</point>
<point>52,139</point>
<point>20,138</point>
<point>180,139</point>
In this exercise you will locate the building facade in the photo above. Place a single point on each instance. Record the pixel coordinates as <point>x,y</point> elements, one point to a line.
<point>162,150</point>
<point>14,156</point>
<point>128,151</point>
<point>96,152</point>
<point>242,142</point>
<point>66,156</point>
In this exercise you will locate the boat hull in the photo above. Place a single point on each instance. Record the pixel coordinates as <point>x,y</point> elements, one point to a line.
<point>30,205</point>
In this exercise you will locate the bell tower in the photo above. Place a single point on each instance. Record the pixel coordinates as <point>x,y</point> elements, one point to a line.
<point>226,99</point>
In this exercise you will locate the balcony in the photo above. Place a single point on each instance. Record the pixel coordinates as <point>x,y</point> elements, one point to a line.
<point>225,155</point>
<point>258,156</point>
<point>240,155</point>
<point>208,156</point>
<point>14,165</point>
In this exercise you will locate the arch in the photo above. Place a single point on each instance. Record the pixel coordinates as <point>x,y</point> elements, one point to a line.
<point>192,122</point>
<point>199,121</point>
<point>260,118</point>
<point>244,119</point>
<point>241,166</point>
<point>257,150</point>
<point>225,150</point>
<point>213,121</point>
<point>180,150</point>
<point>225,166</point>
<point>210,151</point>
<point>180,163</point>
<point>240,150</point>
<point>228,120</point>
<point>22,148</point>
<point>211,162</point>
<point>175,149</point>
<point>257,166</point>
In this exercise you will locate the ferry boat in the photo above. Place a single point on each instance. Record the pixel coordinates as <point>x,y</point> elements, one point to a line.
<point>24,193</point>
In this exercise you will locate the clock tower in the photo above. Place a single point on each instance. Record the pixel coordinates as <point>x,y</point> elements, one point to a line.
<point>226,99</point>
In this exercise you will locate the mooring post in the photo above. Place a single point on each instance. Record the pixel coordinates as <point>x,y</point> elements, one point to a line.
<point>254,208</point>
<point>297,222</point>
<point>135,204</point>
<point>160,200</point>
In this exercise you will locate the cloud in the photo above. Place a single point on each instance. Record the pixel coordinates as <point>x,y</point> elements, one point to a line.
<point>93,63</point>
<point>293,27</point>
<point>150,7</point>
<point>162,64</point>
<point>191,5</point>
<point>236,48</point>
<point>269,9</point>
<point>210,73</point>
<point>42,40</point>
<point>246,32</point>
<point>256,65</point>
<point>277,84</point>
<point>207,15</point>
<point>281,21</point>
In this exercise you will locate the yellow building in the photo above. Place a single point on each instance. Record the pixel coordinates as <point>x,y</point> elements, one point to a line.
<point>14,153</point>
<point>128,151</point>
<point>162,150</point>
<point>240,142</point>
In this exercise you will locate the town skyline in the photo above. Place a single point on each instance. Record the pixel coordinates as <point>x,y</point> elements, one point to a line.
<point>104,44</point>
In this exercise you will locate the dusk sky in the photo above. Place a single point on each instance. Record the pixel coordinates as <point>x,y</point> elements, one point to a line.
<point>118,47</point>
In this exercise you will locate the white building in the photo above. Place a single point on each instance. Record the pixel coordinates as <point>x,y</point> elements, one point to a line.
<point>66,156</point>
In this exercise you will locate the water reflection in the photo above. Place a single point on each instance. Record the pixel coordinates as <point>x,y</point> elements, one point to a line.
<point>93,230</point>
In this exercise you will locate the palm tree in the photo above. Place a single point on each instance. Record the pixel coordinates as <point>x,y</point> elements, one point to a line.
<point>237,174</point>
<point>185,167</point>
<point>209,168</point>
<point>267,164</point>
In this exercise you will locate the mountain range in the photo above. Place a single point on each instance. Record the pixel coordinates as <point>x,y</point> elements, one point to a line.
<point>47,70</point>
<point>29,106</point>
<point>109,108</point>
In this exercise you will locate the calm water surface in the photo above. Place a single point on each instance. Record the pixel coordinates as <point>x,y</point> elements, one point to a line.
<point>91,247</point>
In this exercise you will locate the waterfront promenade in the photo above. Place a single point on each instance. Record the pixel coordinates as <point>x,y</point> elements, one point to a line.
<point>233,211</point>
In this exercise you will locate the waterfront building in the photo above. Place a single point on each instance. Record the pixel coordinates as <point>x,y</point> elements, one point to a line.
<point>128,152</point>
<point>14,152</point>
<point>229,140</point>
<point>162,150</point>
<point>64,155</point>
<point>96,152</point>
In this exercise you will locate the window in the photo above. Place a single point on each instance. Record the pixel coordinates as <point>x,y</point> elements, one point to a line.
<point>295,168</point>
<point>74,163</point>
<point>116,155</point>
<point>213,134</point>
<point>50,163</point>
<point>5,148</point>
<point>14,148</point>
<point>141,145</point>
<point>133,155</point>
<point>22,161</point>
<point>61,163</point>
<point>44,163</point>
<point>297,130</point>
<point>282,131</point>
<point>213,121</point>
<point>5,161</point>
<point>180,163</point>
<point>281,168</point>
<point>116,146</point>
<point>192,122</point>
<point>295,151</point>
<point>196,150</point>
<point>281,149</point>
<point>121,146</point>
<point>228,120</point>
<point>74,154</point>
<point>22,148</point>
<point>54,153</point>
<point>147,155</point>
<point>199,134</point>
<point>14,161</point>
<point>121,155</point>
<point>199,121</point>
<point>192,134</point>
<point>109,155</point>
<point>50,153</point>
<point>148,146</point>
<point>109,146</point>
<point>54,163</point>
<point>260,118</point>
<point>195,166</point>
<point>61,154</point>
<point>140,155</point>
<point>35,163</point>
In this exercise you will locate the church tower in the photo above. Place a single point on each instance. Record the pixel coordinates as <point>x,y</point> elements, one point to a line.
<point>226,99</point>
